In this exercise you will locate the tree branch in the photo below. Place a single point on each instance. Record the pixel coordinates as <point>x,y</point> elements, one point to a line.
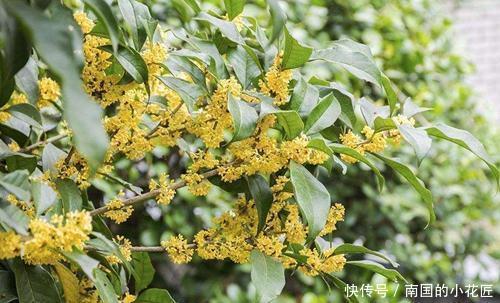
<point>41,143</point>
<point>149,195</point>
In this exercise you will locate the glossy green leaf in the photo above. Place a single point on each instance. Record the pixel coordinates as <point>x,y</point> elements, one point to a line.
<point>347,248</point>
<point>312,197</point>
<point>295,54</point>
<point>104,287</point>
<point>43,195</point>
<point>390,274</point>
<point>418,139</point>
<point>27,80</point>
<point>34,283</point>
<point>188,92</point>
<point>70,195</point>
<point>132,62</point>
<point>50,156</point>
<point>244,118</point>
<point>155,295</point>
<point>392,97</point>
<point>243,65</point>
<point>278,19</point>
<point>228,29</point>
<point>106,16</point>
<point>69,283</point>
<point>26,113</point>
<point>304,98</point>
<point>144,269</point>
<point>16,183</point>
<point>268,276</point>
<point>7,287</point>
<point>465,140</point>
<point>137,17</point>
<point>15,219</point>
<point>354,57</point>
<point>262,196</point>
<point>234,8</point>
<point>419,186</point>
<point>342,149</point>
<point>383,124</point>
<point>320,144</point>
<point>291,122</point>
<point>86,263</point>
<point>323,115</point>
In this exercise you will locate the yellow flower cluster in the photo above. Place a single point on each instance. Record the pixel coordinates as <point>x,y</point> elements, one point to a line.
<point>234,234</point>
<point>178,249</point>
<point>197,185</point>
<point>125,250</point>
<point>26,207</point>
<point>49,92</point>
<point>335,215</point>
<point>128,298</point>
<point>10,245</point>
<point>116,210</point>
<point>47,239</point>
<point>75,168</point>
<point>166,193</point>
<point>16,98</point>
<point>374,142</point>
<point>214,118</point>
<point>88,293</point>
<point>276,82</point>
<point>265,154</point>
<point>317,262</point>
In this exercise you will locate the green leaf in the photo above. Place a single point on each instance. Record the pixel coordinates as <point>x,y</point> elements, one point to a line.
<point>106,16</point>
<point>155,295</point>
<point>295,54</point>
<point>313,198</point>
<point>354,57</point>
<point>55,44</point>
<point>371,112</point>
<point>465,140</point>
<point>390,274</point>
<point>342,149</point>
<point>392,97</point>
<point>27,81</point>
<point>243,65</point>
<point>176,63</point>
<point>324,114</point>
<point>304,98</point>
<point>227,28</point>
<point>7,287</point>
<point>347,248</point>
<point>70,195</point>
<point>262,196</point>
<point>17,184</point>
<point>234,8</point>
<point>137,17</point>
<point>244,118</point>
<point>34,283</point>
<point>69,283</point>
<point>14,218</point>
<point>104,287</point>
<point>43,195</point>
<point>268,276</point>
<point>144,269</point>
<point>291,122</point>
<point>26,113</point>
<point>86,263</point>
<point>320,144</point>
<point>410,109</point>
<point>278,19</point>
<point>418,139</point>
<point>188,92</point>
<point>415,182</point>
<point>50,156</point>
<point>132,62</point>
<point>382,124</point>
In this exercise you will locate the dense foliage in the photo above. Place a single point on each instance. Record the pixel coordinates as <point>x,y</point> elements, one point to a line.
<point>105,109</point>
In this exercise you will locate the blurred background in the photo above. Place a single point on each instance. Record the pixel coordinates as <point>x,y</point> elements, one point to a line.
<point>444,55</point>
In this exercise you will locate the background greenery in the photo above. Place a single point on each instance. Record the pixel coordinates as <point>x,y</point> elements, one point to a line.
<point>413,43</point>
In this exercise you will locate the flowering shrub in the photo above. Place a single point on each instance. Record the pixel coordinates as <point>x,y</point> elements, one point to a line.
<point>82,90</point>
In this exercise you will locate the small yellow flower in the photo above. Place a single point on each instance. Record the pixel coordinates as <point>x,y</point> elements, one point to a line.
<point>10,245</point>
<point>178,249</point>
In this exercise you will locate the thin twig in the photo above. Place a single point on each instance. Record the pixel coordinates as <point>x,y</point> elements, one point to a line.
<point>41,143</point>
<point>149,195</point>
